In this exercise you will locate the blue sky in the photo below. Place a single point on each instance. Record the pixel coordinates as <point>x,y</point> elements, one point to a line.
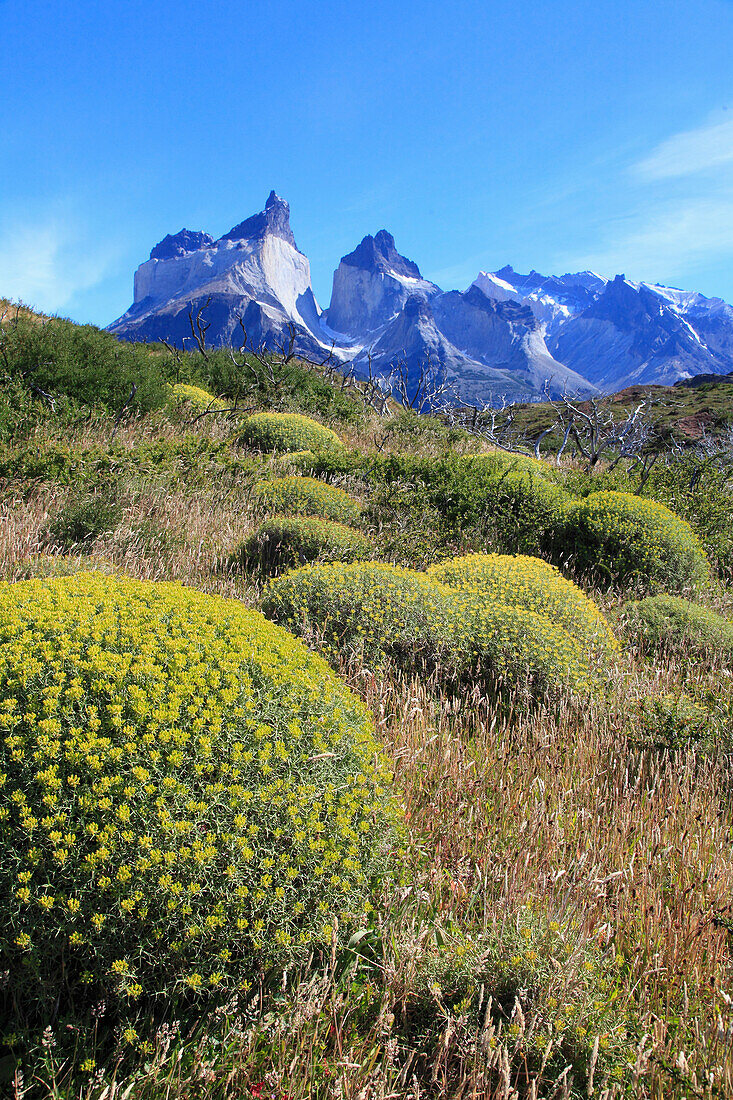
<point>559,136</point>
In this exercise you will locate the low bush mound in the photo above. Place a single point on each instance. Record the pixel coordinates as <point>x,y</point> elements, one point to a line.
<point>624,540</point>
<point>287,432</point>
<point>533,584</point>
<point>195,397</point>
<point>307,496</point>
<point>285,541</point>
<point>377,611</point>
<point>669,624</point>
<point>83,518</point>
<point>186,793</point>
<point>511,497</point>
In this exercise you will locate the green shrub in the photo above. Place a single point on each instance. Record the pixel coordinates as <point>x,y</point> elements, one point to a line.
<point>535,985</point>
<point>669,624</point>
<point>83,362</point>
<point>269,431</point>
<point>195,397</point>
<point>511,498</point>
<point>83,519</point>
<point>307,496</point>
<point>699,490</point>
<point>186,793</point>
<point>673,721</point>
<point>377,612</point>
<point>285,541</point>
<point>533,584</point>
<point>624,540</point>
<point>273,384</point>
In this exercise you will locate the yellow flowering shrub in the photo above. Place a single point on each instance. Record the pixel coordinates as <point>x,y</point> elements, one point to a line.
<point>197,398</point>
<point>513,645</point>
<point>307,496</point>
<point>375,611</point>
<point>270,431</point>
<point>626,540</point>
<point>185,792</point>
<point>533,584</point>
<point>285,541</point>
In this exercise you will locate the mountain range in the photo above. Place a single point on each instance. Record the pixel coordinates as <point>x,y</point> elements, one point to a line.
<point>508,336</point>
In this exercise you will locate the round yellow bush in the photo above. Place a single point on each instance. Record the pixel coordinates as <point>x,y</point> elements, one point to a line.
<point>374,611</point>
<point>534,584</point>
<point>285,541</point>
<point>185,792</point>
<point>269,431</point>
<point>307,496</point>
<point>367,609</point>
<point>625,540</point>
<point>197,398</point>
<point>513,645</point>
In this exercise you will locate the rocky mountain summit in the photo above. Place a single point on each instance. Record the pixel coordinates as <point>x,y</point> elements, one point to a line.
<point>507,336</point>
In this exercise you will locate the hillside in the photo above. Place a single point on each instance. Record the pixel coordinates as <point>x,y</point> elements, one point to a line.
<point>682,414</point>
<point>346,755</point>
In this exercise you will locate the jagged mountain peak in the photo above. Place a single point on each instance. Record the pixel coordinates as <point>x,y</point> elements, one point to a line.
<point>507,329</point>
<point>273,220</point>
<point>378,253</point>
<point>178,244</point>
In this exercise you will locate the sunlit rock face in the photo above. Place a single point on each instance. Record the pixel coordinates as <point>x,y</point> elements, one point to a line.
<point>253,275</point>
<point>371,286</point>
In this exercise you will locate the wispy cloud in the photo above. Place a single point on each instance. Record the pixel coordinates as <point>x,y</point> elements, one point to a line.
<point>688,152</point>
<point>46,261</point>
<point>677,237</point>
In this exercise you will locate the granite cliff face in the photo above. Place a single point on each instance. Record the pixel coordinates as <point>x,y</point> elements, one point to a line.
<point>507,336</point>
<point>254,273</point>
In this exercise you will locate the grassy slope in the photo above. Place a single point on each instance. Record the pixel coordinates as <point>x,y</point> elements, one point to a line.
<point>595,876</point>
<point>678,412</point>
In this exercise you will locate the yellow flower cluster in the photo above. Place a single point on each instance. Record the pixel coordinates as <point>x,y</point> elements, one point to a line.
<point>620,538</point>
<point>197,398</point>
<point>531,583</point>
<point>307,496</point>
<point>269,431</point>
<point>375,610</point>
<point>184,789</point>
<point>285,541</point>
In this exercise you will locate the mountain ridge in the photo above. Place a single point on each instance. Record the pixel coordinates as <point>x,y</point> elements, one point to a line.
<point>518,335</point>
